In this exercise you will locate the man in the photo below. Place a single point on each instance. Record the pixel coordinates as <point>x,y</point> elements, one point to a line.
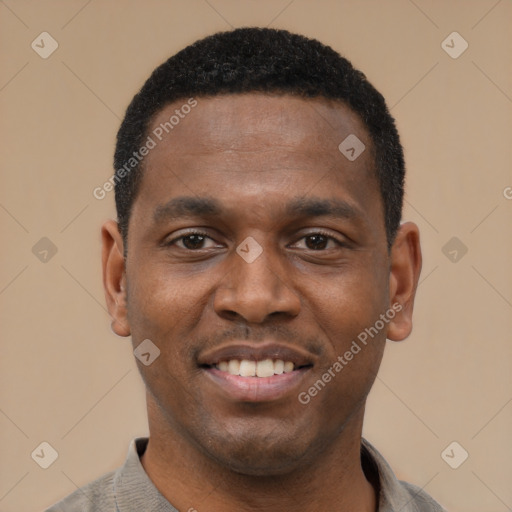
<point>259,264</point>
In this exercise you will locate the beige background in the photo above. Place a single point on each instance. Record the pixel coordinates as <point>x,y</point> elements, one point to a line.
<point>67,380</point>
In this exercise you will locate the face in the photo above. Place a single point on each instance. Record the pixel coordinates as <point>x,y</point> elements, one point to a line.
<point>255,245</point>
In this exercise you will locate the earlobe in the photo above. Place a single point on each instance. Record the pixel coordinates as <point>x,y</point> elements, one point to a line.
<point>114,277</point>
<point>405,268</point>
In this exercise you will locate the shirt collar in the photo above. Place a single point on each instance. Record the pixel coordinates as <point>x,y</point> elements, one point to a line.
<point>394,496</point>
<point>134,490</point>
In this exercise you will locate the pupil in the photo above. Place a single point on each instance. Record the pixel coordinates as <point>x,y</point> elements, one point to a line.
<point>319,241</point>
<point>196,241</point>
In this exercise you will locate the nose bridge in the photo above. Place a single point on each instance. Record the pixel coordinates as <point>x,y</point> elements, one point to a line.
<point>256,265</point>
<point>255,286</point>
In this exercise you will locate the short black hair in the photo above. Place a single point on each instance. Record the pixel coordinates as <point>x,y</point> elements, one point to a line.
<point>262,60</point>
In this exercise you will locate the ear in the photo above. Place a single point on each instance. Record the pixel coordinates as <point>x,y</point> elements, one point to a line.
<point>405,268</point>
<point>114,276</point>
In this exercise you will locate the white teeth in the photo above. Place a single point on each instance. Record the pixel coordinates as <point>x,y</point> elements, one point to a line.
<point>234,367</point>
<point>265,368</point>
<point>248,368</point>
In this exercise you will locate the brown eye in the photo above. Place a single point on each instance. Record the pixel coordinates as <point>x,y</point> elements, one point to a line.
<point>316,242</point>
<point>319,241</point>
<point>193,241</point>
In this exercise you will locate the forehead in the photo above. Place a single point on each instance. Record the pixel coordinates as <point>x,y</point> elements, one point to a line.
<point>246,135</point>
<point>255,122</point>
<point>257,151</point>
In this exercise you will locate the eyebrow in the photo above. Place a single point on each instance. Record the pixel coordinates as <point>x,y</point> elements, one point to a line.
<point>189,206</point>
<point>317,207</point>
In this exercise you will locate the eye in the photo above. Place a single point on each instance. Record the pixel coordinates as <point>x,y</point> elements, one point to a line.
<point>195,240</point>
<point>319,241</point>
<point>191,241</point>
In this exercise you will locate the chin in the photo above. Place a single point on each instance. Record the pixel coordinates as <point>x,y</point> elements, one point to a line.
<point>266,454</point>
<point>261,463</point>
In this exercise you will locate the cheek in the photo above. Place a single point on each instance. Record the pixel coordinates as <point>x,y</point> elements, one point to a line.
<point>346,304</point>
<point>159,301</point>
<point>347,309</point>
<point>164,314</point>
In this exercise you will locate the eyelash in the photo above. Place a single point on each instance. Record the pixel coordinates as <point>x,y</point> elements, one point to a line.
<point>202,233</point>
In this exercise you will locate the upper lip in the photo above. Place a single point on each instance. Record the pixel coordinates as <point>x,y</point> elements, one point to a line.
<point>252,352</point>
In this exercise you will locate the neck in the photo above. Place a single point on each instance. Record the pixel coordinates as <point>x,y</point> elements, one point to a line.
<point>190,480</point>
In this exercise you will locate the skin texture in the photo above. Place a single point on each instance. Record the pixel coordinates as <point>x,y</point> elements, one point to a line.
<point>255,153</point>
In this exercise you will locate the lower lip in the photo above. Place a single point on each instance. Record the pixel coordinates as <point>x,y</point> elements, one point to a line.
<point>256,389</point>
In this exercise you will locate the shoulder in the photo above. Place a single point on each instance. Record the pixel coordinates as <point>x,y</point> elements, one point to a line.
<point>394,494</point>
<point>423,501</point>
<point>97,496</point>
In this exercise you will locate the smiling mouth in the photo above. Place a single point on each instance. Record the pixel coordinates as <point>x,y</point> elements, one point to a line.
<point>248,372</point>
<point>258,369</point>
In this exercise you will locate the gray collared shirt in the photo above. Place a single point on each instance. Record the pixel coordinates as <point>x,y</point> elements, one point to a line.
<point>129,489</point>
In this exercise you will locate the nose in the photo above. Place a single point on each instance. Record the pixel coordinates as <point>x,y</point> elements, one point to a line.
<point>254,291</point>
